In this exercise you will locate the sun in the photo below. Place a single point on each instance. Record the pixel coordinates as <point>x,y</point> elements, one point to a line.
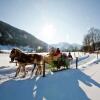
<point>49,28</point>
<point>48,32</point>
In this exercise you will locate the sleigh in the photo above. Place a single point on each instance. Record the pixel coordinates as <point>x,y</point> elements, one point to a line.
<point>58,63</point>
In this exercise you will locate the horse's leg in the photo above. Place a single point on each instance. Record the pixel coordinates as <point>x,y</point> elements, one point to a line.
<point>40,69</point>
<point>24,71</point>
<point>37,70</point>
<point>33,70</point>
<point>18,70</point>
<point>36,73</point>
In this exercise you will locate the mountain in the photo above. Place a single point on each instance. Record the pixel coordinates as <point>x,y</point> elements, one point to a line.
<point>10,35</point>
<point>61,45</point>
<point>64,45</point>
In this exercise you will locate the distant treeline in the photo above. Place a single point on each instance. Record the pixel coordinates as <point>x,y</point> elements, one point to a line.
<point>91,41</point>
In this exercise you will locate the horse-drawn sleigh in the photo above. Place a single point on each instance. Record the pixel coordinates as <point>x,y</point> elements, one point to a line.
<point>38,60</point>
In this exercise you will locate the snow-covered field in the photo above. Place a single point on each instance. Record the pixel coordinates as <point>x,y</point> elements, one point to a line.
<point>73,84</point>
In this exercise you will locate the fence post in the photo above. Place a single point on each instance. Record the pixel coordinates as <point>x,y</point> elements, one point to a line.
<point>44,69</point>
<point>76,62</point>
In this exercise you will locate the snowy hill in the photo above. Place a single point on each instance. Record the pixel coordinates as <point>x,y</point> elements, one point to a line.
<point>10,35</point>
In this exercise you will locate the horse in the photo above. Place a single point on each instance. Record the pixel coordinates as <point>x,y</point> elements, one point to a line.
<point>26,59</point>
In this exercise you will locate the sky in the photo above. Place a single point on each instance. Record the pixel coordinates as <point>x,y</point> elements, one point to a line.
<point>52,21</point>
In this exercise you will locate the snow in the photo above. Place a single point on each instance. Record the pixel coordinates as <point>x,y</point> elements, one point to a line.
<point>73,84</point>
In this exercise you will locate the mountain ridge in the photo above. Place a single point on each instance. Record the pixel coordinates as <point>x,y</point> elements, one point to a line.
<point>65,45</point>
<point>10,35</point>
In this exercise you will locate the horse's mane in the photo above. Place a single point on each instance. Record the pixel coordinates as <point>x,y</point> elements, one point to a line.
<point>19,50</point>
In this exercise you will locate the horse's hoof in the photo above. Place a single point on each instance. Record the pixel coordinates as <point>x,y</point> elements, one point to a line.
<point>23,76</point>
<point>15,76</point>
<point>36,74</point>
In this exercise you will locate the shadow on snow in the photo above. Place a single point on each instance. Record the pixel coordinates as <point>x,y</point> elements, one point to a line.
<point>59,86</point>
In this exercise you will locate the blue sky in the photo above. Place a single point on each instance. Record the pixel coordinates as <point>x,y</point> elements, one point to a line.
<point>52,21</point>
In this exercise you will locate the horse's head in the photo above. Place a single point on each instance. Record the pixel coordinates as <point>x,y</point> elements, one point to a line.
<point>15,53</point>
<point>48,58</point>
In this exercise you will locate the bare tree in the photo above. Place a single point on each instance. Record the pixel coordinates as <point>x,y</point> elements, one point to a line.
<point>92,40</point>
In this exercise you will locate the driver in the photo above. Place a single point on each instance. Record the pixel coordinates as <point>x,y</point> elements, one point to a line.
<point>57,54</point>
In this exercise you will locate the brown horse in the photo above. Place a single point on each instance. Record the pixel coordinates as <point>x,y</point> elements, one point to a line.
<point>26,59</point>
